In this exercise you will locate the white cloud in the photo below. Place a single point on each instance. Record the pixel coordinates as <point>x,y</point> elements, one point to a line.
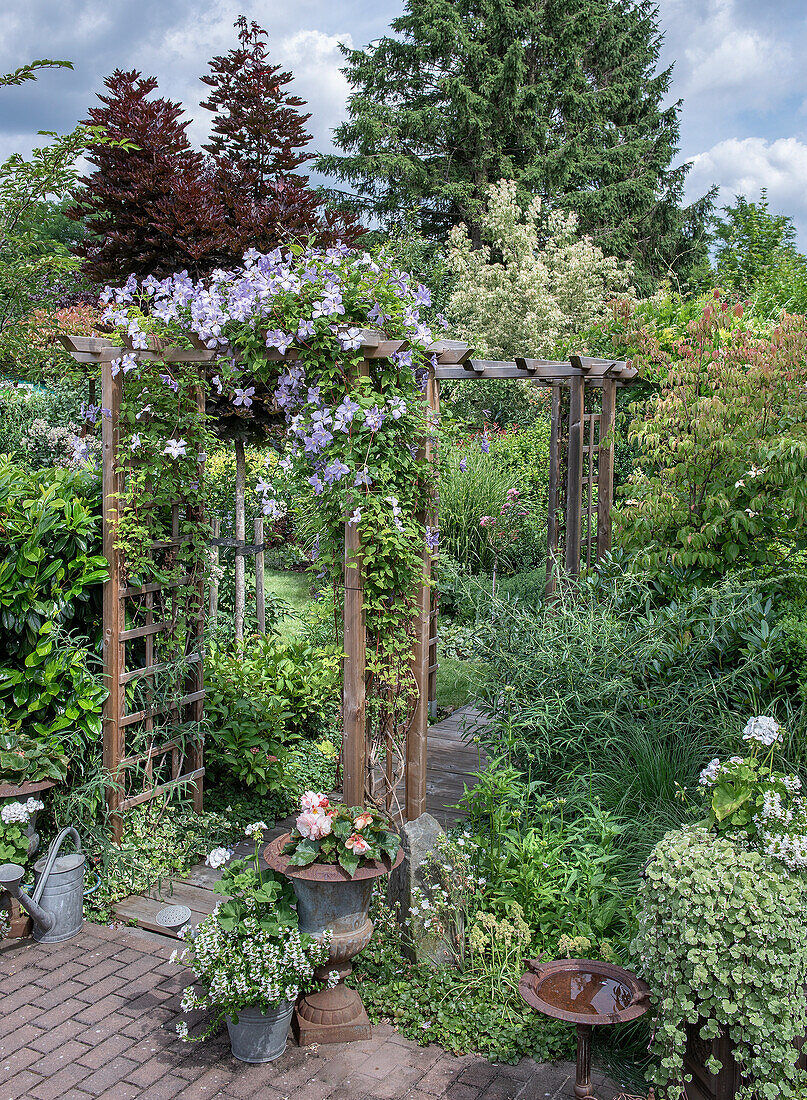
<point>742,166</point>
<point>725,55</point>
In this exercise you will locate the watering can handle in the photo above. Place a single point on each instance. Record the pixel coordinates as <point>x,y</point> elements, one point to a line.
<point>53,852</point>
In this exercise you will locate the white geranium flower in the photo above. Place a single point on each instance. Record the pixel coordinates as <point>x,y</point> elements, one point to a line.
<point>763,729</point>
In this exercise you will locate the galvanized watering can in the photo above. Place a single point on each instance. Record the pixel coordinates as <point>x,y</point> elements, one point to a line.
<point>57,904</point>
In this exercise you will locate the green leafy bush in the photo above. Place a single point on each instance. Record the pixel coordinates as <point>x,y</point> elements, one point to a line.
<point>50,553</point>
<point>723,943</point>
<point>609,698</point>
<point>261,700</point>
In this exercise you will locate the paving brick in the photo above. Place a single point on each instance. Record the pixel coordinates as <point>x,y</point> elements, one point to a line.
<point>19,1059</point>
<point>397,1083</point>
<point>102,969</point>
<point>20,1085</point>
<point>102,1010</point>
<point>60,1084</point>
<point>443,1073</point>
<point>479,1073</point>
<point>57,995</point>
<point>24,1036</point>
<point>100,1053</point>
<point>63,1055</point>
<point>503,1087</point>
<point>108,1076</point>
<point>64,972</point>
<point>121,1091</point>
<point>62,1033</point>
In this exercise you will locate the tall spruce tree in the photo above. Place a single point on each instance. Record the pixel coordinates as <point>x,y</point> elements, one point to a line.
<point>562,96</point>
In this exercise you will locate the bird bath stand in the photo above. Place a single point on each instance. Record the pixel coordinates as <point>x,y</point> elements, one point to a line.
<point>586,992</point>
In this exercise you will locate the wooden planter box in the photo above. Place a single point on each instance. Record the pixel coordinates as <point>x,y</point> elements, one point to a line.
<point>724,1086</point>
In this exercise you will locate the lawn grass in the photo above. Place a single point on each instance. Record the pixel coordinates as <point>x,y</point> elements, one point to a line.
<point>457,682</point>
<point>293,589</point>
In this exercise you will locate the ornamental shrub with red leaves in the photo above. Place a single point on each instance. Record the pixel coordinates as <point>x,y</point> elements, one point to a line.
<point>722,477</point>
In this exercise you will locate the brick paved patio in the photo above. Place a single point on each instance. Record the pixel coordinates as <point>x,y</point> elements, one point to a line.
<point>94,1017</point>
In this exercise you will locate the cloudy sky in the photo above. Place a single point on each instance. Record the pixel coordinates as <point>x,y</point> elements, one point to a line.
<point>737,68</point>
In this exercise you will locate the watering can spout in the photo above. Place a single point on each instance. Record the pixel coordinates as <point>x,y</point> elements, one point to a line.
<point>57,903</point>
<point>11,875</point>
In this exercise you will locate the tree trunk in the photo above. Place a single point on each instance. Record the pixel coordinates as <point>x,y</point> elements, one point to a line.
<point>240,538</point>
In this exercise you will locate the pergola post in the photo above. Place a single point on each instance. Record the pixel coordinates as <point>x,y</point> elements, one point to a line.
<point>112,649</point>
<point>354,741</point>
<point>574,473</point>
<point>418,731</point>
<point>605,467</point>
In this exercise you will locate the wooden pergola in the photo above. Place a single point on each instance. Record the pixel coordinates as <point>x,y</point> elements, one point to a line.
<point>579,531</point>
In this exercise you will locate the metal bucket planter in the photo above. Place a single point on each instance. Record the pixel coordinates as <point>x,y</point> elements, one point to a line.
<point>260,1036</point>
<point>19,921</point>
<point>328,899</point>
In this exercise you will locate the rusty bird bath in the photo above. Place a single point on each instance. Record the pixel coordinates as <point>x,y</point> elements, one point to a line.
<point>586,992</point>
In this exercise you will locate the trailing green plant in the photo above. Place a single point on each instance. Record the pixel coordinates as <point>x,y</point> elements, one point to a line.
<point>722,942</point>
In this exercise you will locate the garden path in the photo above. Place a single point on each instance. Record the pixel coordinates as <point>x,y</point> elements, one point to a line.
<point>453,758</point>
<point>95,1017</point>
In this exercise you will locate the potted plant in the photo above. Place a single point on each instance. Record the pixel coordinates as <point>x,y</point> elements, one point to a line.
<point>28,764</point>
<point>250,957</point>
<point>333,856</point>
<point>722,937</point>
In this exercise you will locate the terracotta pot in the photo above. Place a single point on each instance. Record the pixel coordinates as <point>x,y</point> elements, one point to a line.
<point>8,790</point>
<point>328,899</point>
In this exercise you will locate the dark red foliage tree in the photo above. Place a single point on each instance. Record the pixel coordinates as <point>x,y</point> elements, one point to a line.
<point>149,207</point>
<point>256,124</point>
<point>258,140</point>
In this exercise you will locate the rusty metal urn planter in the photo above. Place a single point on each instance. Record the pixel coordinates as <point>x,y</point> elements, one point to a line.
<point>328,899</point>
<point>586,992</point>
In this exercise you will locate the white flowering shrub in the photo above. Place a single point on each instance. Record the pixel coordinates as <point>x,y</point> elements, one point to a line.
<point>533,285</point>
<point>14,819</point>
<point>722,942</point>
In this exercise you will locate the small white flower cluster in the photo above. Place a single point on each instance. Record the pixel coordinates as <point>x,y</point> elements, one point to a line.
<point>19,813</point>
<point>218,857</point>
<point>248,966</point>
<point>708,776</point>
<point>782,823</point>
<point>256,829</point>
<point>763,729</point>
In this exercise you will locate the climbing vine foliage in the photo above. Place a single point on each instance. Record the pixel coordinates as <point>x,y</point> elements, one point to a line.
<point>723,944</point>
<point>287,332</point>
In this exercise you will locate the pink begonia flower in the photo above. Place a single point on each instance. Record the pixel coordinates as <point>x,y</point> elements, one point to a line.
<point>361,821</point>
<point>357,844</point>
<point>511,493</point>
<point>314,826</point>
<point>311,802</point>
<point>485,521</point>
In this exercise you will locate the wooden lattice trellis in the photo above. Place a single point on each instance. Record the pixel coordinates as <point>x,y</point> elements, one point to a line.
<point>581,458</point>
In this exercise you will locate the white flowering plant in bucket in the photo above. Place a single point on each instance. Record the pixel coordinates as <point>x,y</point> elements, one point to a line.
<point>747,797</point>
<point>14,819</point>
<point>249,953</point>
<point>347,835</point>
